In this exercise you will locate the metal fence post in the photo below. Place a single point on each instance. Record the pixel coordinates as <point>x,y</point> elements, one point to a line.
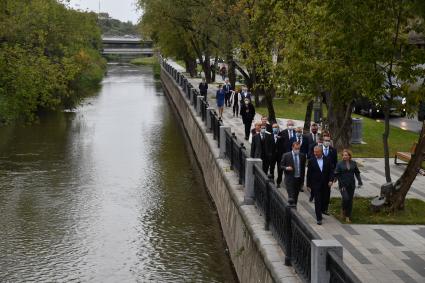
<point>191,95</point>
<point>249,179</point>
<point>223,141</point>
<point>319,251</point>
<point>199,104</point>
<point>209,113</point>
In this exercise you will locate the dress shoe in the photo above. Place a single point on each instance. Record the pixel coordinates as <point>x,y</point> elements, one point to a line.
<point>325,213</point>
<point>311,199</point>
<point>319,222</point>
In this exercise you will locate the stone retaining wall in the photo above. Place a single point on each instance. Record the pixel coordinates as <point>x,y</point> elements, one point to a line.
<point>253,251</point>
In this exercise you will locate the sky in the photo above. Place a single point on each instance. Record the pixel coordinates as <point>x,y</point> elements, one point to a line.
<point>124,10</point>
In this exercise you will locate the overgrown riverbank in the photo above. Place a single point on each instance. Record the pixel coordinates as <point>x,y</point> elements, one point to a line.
<point>149,61</point>
<point>49,58</point>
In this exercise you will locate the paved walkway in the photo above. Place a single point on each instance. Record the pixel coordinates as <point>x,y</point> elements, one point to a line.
<point>376,253</point>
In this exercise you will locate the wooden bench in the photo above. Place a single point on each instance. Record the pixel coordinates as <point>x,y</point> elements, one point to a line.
<point>404,156</point>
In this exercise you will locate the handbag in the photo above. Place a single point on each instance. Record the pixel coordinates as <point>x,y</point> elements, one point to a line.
<point>344,194</point>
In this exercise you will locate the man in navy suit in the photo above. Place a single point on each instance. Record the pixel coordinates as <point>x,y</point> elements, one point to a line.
<point>319,179</point>
<point>287,135</point>
<point>301,139</point>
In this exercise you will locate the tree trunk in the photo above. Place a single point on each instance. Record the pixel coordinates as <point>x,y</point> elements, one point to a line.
<point>385,136</point>
<point>232,71</point>
<point>308,113</point>
<point>406,180</point>
<point>191,66</point>
<point>339,121</point>
<point>206,67</point>
<point>268,97</point>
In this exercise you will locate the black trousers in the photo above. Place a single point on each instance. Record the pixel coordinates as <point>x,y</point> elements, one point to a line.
<point>326,196</point>
<point>236,109</point>
<point>347,205</point>
<point>247,129</point>
<point>319,198</point>
<point>293,189</point>
<point>275,162</point>
<point>205,95</point>
<point>266,164</point>
<point>227,99</point>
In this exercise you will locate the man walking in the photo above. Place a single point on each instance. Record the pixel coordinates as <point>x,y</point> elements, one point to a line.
<point>301,139</point>
<point>227,88</point>
<point>203,88</point>
<point>319,179</point>
<point>293,164</point>
<point>287,135</point>
<point>248,114</point>
<point>261,147</point>
<point>277,152</point>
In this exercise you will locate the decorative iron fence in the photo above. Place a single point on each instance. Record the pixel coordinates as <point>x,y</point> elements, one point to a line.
<point>339,272</point>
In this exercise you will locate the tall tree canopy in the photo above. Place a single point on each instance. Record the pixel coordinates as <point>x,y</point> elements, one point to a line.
<point>48,54</point>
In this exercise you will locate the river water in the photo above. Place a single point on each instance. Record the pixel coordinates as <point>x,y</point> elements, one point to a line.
<point>107,193</point>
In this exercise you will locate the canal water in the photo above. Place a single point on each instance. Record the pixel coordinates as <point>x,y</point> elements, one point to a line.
<point>107,193</point>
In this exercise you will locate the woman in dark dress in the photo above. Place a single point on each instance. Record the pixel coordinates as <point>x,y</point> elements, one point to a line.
<point>345,172</point>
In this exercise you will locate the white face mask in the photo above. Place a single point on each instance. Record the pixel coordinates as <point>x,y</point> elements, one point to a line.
<point>326,143</point>
<point>290,127</point>
<point>296,151</point>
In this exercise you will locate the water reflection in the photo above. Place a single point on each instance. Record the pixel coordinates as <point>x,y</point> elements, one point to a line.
<point>107,193</point>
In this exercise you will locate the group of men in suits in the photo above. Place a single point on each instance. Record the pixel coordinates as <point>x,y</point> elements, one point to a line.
<point>290,151</point>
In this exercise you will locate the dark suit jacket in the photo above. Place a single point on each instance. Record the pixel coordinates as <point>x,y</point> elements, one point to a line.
<point>227,88</point>
<point>288,160</point>
<point>262,148</point>
<point>278,148</point>
<point>332,156</point>
<point>285,136</point>
<point>310,138</point>
<point>304,144</point>
<point>248,113</point>
<point>245,95</point>
<point>203,87</point>
<point>317,179</point>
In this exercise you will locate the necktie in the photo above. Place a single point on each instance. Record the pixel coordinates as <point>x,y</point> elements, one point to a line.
<point>326,151</point>
<point>297,166</point>
<point>314,138</point>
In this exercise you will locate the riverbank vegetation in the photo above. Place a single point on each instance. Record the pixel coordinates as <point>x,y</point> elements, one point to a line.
<point>149,61</point>
<point>49,58</point>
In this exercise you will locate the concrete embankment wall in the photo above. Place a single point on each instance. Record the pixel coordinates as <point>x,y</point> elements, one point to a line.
<point>253,251</point>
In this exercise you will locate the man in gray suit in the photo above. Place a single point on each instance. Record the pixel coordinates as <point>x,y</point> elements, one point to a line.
<point>293,164</point>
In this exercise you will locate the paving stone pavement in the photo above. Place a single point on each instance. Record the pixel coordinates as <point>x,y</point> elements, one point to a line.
<point>376,253</point>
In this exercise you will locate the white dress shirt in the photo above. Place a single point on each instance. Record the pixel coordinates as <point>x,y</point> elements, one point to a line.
<point>320,163</point>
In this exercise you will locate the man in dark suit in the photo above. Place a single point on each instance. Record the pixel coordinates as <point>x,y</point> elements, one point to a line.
<point>245,94</point>
<point>227,88</point>
<point>313,136</point>
<point>277,152</point>
<point>293,164</point>
<point>319,179</point>
<point>265,122</point>
<point>329,151</point>
<point>261,147</point>
<point>302,139</point>
<point>203,88</point>
<point>287,135</point>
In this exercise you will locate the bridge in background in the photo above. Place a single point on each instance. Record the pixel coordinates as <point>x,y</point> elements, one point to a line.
<point>126,48</point>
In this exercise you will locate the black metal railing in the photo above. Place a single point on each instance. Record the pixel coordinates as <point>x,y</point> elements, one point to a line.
<point>261,193</point>
<point>291,231</point>
<point>338,271</point>
<point>301,237</point>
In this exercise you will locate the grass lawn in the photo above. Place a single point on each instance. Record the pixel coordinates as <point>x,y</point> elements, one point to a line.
<point>414,212</point>
<point>399,140</point>
<point>149,61</point>
<point>145,61</point>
